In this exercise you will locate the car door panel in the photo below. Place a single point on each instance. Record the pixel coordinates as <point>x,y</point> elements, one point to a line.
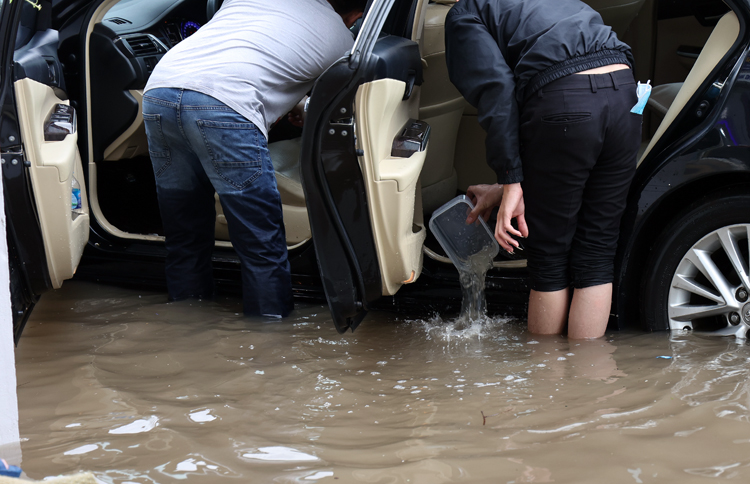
<point>52,166</point>
<point>40,156</point>
<point>52,159</point>
<point>392,182</point>
<point>338,166</point>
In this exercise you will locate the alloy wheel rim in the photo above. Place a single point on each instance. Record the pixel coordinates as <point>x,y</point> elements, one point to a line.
<point>710,287</point>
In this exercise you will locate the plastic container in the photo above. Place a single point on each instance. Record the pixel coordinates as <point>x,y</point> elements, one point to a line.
<point>458,240</point>
<point>75,196</point>
<point>7,470</point>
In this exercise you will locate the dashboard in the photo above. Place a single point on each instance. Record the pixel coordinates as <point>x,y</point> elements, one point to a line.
<point>169,21</point>
<point>124,49</point>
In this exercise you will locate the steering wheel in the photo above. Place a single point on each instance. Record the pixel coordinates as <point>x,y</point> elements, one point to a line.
<point>212,6</point>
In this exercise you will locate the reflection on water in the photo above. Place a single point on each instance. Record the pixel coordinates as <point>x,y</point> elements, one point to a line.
<point>139,391</point>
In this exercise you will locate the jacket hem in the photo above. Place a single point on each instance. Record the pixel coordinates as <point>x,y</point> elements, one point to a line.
<point>574,65</point>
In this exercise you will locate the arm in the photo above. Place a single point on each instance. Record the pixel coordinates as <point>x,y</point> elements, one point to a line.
<point>476,67</point>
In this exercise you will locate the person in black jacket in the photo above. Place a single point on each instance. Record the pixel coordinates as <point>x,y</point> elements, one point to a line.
<point>553,88</point>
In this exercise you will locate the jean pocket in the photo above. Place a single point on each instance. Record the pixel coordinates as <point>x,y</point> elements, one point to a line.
<point>158,149</point>
<point>566,118</point>
<point>234,149</point>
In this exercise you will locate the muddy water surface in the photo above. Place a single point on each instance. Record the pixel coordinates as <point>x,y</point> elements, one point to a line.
<point>135,390</point>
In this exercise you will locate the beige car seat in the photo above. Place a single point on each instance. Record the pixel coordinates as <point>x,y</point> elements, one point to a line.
<point>441,106</point>
<point>285,159</point>
<point>663,96</point>
<point>722,38</point>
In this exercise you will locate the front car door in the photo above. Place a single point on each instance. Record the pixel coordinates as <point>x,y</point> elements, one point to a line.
<point>45,194</point>
<point>362,153</point>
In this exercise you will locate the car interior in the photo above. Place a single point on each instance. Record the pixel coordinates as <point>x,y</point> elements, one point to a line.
<point>676,45</point>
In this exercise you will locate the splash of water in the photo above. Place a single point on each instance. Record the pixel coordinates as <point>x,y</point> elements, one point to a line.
<point>472,323</point>
<point>463,329</point>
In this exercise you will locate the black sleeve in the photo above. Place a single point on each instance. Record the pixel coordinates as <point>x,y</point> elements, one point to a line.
<point>476,67</point>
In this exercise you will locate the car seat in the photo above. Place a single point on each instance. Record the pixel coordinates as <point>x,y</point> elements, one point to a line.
<point>285,159</point>
<point>441,106</point>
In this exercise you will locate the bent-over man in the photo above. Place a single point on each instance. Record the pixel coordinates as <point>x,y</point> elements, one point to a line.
<point>553,88</point>
<point>208,108</point>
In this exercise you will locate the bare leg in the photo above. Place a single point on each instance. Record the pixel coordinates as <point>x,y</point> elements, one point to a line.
<point>589,312</point>
<point>548,311</point>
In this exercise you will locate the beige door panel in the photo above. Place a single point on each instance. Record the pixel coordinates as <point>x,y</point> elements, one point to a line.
<point>53,165</point>
<point>393,188</point>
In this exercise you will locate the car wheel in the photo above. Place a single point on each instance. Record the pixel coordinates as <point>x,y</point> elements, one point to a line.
<point>697,275</point>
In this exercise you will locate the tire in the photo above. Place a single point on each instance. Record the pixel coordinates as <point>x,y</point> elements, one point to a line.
<point>697,275</point>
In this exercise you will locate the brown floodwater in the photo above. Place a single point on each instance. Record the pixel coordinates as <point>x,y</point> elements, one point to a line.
<point>136,390</point>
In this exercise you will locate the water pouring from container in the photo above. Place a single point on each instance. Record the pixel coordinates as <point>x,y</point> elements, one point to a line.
<point>471,248</point>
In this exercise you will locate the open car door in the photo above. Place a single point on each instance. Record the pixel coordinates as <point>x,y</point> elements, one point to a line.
<point>362,154</point>
<point>45,194</point>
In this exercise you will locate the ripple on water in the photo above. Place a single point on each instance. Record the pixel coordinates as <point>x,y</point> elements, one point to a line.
<point>141,391</point>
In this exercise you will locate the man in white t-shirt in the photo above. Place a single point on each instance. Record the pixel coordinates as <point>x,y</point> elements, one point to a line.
<point>208,108</point>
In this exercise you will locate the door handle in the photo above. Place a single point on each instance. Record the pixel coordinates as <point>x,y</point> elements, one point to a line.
<point>410,81</point>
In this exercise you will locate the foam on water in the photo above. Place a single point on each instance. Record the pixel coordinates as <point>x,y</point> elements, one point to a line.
<point>463,327</point>
<point>473,321</point>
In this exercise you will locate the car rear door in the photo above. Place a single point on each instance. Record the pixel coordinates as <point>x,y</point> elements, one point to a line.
<point>362,154</point>
<point>42,169</point>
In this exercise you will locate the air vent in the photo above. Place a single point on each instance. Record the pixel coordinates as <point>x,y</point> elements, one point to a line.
<point>143,45</point>
<point>173,34</point>
<point>118,20</point>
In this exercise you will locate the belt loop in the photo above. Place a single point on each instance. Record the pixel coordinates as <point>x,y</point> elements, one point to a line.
<point>614,81</point>
<point>540,92</point>
<point>592,81</point>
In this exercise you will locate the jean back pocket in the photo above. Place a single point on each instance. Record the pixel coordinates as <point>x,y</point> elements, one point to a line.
<point>158,149</point>
<point>234,149</point>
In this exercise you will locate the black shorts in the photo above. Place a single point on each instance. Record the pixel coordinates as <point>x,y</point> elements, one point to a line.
<point>579,146</point>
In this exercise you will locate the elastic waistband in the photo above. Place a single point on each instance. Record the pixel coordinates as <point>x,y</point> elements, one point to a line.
<point>574,65</point>
<point>613,80</point>
<point>591,82</point>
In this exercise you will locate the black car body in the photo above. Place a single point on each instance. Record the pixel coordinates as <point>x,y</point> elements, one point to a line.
<point>387,140</point>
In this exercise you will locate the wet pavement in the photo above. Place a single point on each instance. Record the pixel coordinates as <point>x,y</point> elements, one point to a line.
<point>120,383</point>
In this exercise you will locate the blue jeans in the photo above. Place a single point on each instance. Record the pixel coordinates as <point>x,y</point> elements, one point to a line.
<point>199,145</point>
